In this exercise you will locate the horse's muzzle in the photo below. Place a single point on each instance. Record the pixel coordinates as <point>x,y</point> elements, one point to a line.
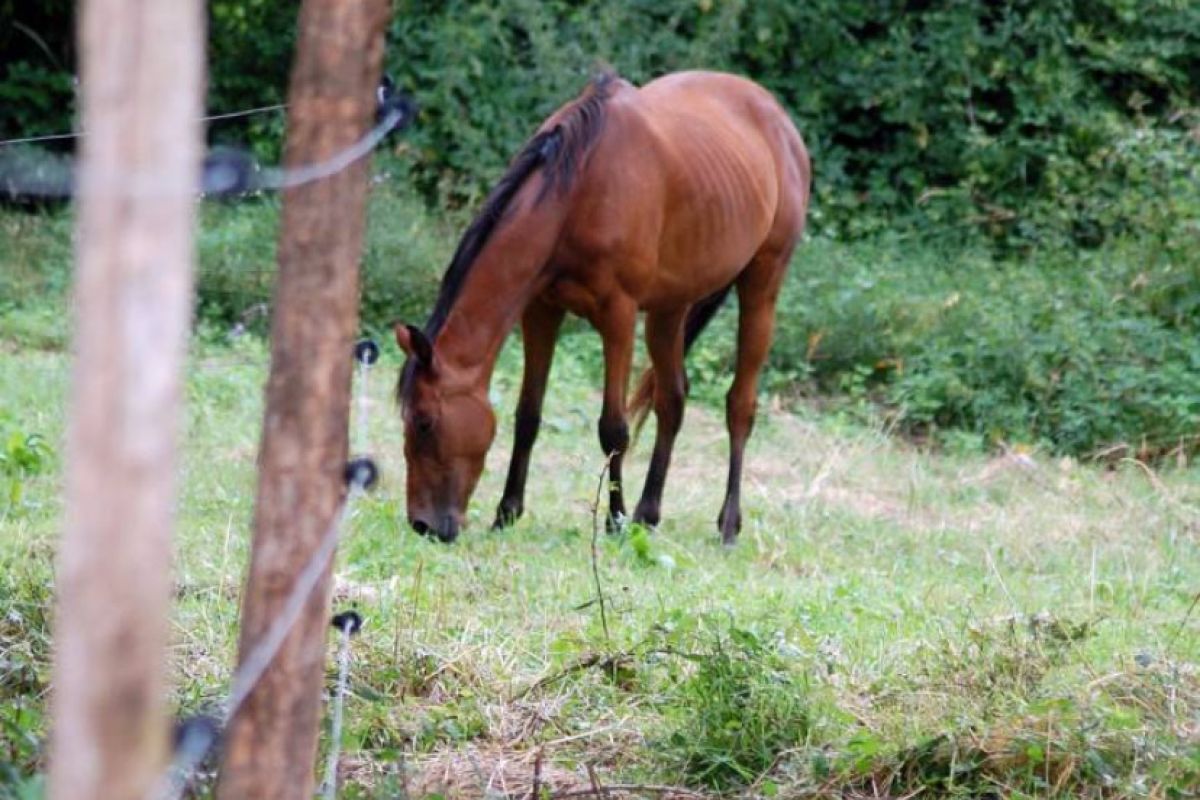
<point>446,531</point>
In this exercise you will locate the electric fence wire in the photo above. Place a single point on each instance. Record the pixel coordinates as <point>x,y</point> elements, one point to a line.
<point>348,623</point>
<point>231,172</point>
<point>197,739</point>
<point>53,137</point>
<point>226,171</point>
<point>198,736</point>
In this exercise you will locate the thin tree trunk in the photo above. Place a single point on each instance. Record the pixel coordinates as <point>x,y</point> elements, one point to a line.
<point>143,74</point>
<point>271,745</point>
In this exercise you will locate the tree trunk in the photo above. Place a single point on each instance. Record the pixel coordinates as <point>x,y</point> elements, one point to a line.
<point>271,743</point>
<point>143,74</point>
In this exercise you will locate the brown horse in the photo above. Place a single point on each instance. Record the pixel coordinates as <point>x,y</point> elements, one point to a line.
<point>659,199</point>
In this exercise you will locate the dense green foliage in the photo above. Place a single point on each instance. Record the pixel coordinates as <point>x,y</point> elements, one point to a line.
<point>1080,352</point>
<point>1008,116</point>
<point>999,113</point>
<point>249,53</point>
<point>36,73</point>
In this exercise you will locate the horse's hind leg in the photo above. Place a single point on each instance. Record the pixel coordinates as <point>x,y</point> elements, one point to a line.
<point>664,340</point>
<point>539,330</point>
<point>758,290</point>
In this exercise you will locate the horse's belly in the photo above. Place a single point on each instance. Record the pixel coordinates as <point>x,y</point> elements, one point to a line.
<point>576,296</point>
<point>678,267</point>
<point>685,283</point>
<point>698,257</point>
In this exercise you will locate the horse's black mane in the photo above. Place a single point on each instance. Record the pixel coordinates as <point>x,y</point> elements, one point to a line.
<point>559,151</point>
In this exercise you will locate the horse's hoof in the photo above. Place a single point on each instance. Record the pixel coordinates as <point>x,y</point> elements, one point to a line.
<point>648,517</point>
<point>506,517</point>
<point>615,523</point>
<point>730,527</point>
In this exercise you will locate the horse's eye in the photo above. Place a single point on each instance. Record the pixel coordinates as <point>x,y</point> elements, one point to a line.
<point>422,424</point>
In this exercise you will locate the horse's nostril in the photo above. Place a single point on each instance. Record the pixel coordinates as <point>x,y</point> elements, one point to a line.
<point>420,526</point>
<point>449,530</point>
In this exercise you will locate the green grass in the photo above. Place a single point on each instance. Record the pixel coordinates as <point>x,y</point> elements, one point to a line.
<point>892,620</point>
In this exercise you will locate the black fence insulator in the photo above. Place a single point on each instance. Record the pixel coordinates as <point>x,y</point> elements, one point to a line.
<point>347,620</point>
<point>366,351</point>
<point>362,472</point>
<point>229,172</point>
<point>197,735</point>
<point>390,100</point>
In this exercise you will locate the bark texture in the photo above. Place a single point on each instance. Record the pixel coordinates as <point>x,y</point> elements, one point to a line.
<point>142,64</point>
<point>271,744</point>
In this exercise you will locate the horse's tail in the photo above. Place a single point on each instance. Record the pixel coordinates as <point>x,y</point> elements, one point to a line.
<point>698,318</point>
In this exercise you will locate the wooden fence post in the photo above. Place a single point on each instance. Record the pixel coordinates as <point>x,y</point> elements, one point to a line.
<point>143,73</point>
<point>271,743</point>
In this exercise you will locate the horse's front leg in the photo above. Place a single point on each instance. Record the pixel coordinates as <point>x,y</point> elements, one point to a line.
<point>616,323</point>
<point>539,330</point>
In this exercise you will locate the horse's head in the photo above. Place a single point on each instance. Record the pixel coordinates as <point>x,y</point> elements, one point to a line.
<point>448,428</point>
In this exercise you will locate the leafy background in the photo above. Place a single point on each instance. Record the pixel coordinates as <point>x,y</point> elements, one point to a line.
<point>1006,215</point>
<point>1010,115</point>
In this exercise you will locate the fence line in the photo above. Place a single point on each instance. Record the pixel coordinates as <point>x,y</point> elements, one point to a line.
<point>249,112</point>
<point>349,623</point>
<point>51,137</point>
<point>290,178</point>
<point>227,171</point>
<point>193,749</point>
<point>200,734</point>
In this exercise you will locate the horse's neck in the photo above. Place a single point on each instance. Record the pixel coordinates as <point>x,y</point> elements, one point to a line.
<point>510,270</point>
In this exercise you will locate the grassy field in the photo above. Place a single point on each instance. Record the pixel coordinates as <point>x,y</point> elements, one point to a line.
<point>893,622</point>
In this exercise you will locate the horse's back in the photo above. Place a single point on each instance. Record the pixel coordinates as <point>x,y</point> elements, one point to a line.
<point>695,173</point>
<point>696,109</point>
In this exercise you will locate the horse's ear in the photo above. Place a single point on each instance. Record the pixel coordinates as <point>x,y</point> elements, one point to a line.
<point>415,343</point>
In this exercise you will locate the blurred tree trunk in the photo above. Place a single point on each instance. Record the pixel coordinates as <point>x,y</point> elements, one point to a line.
<point>272,740</point>
<point>143,75</point>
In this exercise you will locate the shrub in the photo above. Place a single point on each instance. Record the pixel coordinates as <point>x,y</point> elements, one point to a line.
<point>994,116</point>
<point>1077,351</point>
<point>998,116</point>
